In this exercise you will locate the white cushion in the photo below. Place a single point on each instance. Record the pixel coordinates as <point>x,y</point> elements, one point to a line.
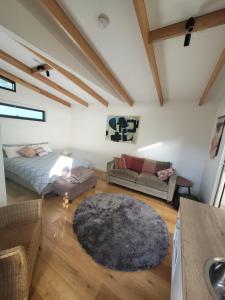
<point>11,151</point>
<point>46,147</point>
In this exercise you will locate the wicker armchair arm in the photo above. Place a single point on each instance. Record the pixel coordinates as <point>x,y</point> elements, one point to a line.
<point>20,213</point>
<point>171,188</point>
<point>14,283</point>
<point>110,165</point>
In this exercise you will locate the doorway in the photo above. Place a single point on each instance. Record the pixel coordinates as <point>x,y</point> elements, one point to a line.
<point>220,195</point>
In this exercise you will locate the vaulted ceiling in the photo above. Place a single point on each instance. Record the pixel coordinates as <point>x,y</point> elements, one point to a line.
<point>183,71</point>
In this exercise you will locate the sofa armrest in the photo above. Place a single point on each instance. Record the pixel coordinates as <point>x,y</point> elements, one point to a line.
<point>110,165</point>
<point>14,283</point>
<point>20,213</point>
<point>171,188</point>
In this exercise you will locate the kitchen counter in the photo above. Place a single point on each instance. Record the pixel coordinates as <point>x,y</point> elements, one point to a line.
<point>202,233</point>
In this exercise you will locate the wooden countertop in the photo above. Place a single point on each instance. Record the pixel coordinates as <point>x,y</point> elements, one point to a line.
<point>202,229</point>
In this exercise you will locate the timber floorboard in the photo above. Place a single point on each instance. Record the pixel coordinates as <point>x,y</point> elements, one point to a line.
<point>65,271</point>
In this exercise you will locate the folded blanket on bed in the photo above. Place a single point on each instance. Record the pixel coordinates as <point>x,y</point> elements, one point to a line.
<point>70,179</point>
<point>81,174</point>
<point>77,175</point>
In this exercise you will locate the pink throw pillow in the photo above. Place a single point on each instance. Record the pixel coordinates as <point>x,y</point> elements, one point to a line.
<point>27,151</point>
<point>119,163</point>
<point>165,174</point>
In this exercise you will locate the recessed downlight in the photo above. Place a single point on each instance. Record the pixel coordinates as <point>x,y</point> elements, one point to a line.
<point>103,21</point>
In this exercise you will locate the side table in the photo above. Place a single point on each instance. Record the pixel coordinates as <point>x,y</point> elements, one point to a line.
<point>183,182</point>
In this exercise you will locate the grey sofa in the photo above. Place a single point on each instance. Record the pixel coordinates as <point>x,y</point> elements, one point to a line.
<point>146,183</point>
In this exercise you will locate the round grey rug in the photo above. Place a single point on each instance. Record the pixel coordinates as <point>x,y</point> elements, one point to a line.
<point>120,232</point>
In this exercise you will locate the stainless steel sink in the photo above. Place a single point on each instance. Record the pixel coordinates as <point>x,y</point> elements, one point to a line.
<point>215,277</point>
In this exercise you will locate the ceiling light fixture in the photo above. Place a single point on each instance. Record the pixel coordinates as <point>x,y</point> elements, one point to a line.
<point>189,27</point>
<point>103,21</point>
<point>42,68</point>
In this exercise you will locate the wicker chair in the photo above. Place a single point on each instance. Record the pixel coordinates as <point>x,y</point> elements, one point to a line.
<point>20,240</point>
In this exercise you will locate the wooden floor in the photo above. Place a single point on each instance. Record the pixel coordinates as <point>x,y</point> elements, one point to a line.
<point>64,271</point>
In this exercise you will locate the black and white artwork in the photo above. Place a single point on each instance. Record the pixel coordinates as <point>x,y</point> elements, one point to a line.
<point>122,129</point>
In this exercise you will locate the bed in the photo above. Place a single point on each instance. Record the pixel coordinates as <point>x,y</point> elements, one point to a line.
<point>38,173</point>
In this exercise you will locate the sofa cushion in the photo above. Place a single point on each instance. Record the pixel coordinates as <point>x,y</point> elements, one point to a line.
<point>124,174</point>
<point>133,163</point>
<point>162,165</point>
<point>149,166</point>
<point>152,181</point>
<point>120,163</point>
<point>128,160</point>
<point>137,164</point>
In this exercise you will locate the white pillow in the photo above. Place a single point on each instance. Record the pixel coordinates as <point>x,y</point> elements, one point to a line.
<point>46,147</point>
<point>11,151</point>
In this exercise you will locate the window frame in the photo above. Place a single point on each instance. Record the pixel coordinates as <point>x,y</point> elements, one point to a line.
<point>11,81</point>
<point>23,118</point>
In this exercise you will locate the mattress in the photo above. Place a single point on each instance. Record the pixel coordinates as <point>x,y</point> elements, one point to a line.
<point>41,171</point>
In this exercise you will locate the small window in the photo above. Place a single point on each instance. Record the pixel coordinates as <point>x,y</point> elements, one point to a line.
<point>20,112</point>
<point>7,84</point>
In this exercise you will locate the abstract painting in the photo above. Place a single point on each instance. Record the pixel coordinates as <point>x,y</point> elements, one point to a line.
<point>217,136</point>
<point>122,129</point>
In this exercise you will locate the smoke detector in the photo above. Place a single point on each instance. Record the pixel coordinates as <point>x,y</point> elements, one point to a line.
<point>103,21</point>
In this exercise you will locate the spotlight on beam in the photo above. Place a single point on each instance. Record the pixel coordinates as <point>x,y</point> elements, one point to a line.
<point>189,27</point>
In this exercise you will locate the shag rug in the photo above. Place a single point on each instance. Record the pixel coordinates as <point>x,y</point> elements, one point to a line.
<point>120,232</point>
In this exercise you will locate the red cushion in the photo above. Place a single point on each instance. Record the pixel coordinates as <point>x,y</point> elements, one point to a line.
<point>134,163</point>
<point>137,164</point>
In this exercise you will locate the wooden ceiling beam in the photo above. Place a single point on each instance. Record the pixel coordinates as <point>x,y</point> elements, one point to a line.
<point>216,71</point>
<point>21,66</point>
<point>74,34</point>
<point>202,22</point>
<point>141,14</point>
<point>33,87</point>
<point>71,77</point>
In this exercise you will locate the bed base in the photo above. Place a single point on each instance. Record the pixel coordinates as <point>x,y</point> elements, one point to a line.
<point>13,177</point>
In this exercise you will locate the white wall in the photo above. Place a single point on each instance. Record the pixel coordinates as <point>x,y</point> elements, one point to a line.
<point>213,167</point>
<point>2,175</point>
<point>183,129</point>
<point>56,129</point>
